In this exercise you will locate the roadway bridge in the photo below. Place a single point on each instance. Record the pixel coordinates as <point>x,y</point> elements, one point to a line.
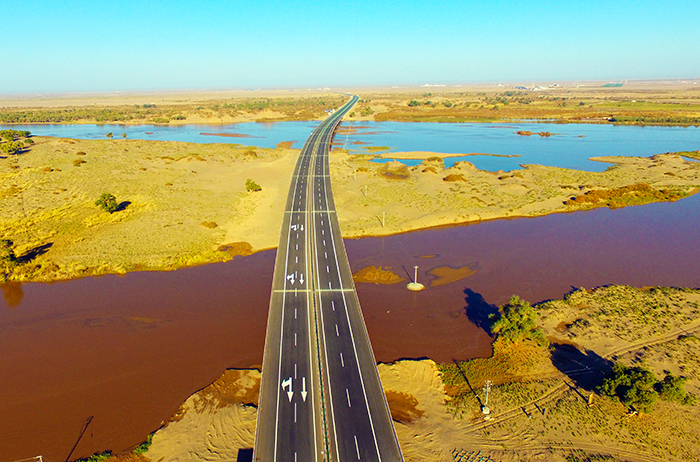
<point>320,395</point>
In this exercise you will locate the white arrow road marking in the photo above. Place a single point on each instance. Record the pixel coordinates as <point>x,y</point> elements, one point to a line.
<point>301,278</point>
<point>301,227</point>
<point>290,278</point>
<point>303,388</point>
<point>288,383</point>
<point>294,227</point>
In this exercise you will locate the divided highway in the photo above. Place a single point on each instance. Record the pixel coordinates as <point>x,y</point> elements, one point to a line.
<point>320,397</point>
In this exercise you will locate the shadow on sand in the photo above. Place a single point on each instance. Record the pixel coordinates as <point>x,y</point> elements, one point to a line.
<point>585,368</point>
<point>35,252</point>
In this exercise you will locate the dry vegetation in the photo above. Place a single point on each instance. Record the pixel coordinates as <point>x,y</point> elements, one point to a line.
<point>180,204</point>
<point>429,194</point>
<point>544,402</point>
<point>630,104</point>
<point>230,110</point>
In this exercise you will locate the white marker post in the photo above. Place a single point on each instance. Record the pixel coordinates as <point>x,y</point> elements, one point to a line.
<point>415,285</point>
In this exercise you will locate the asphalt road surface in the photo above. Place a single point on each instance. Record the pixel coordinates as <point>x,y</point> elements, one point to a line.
<point>320,396</point>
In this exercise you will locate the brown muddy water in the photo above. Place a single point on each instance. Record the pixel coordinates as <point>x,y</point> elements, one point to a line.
<point>127,350</point>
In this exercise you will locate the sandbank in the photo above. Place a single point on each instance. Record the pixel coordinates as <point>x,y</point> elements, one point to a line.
<point>187,203</point>
<point>541,415</point>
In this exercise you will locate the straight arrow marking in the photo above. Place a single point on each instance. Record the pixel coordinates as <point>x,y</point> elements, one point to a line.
<point>303,388</point>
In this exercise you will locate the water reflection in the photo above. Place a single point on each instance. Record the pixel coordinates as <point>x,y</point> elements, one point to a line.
<point>12,293</point>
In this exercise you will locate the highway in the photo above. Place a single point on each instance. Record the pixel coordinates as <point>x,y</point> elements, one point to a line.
<point>320,396</point>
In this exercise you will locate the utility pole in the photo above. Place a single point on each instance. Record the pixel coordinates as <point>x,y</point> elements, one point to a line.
<point>485,407</point>
<point>415,274</point>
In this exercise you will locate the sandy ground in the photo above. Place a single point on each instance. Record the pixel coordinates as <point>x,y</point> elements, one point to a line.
<point>186,204</point>
<point>636,102</point>
<point>542,417</point>
<point>183,97</point>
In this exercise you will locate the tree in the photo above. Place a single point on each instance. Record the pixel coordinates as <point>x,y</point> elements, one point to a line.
<point>252,186</point>
<point>124,135</point>
<point>107,202</point>
<point>109,135</point>
<point>414,103</point>
<point>517,320</point>
<point>671,388</point>
<point>633,386</point>
<point>11,147</point>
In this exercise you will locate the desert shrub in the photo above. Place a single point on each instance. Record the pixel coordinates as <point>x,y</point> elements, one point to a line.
<point>143,447</point>
<point>11,135</point>
<point>252,186</point>
<point>97,457</point>
<point>633,386</point>
<point>454,177</point>
<point>78,162</point>
<point>8,259</point>
<point>517,320</point>
<point>639,193</point>
<point>11,147</point>
<point>671,388</point>
<point>107,202</point>
<point>413,103</point>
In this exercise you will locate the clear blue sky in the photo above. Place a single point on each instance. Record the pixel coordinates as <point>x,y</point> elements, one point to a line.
<point>78,45</point>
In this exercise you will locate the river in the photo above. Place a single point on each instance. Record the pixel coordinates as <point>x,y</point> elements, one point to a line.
<point>127,350</point>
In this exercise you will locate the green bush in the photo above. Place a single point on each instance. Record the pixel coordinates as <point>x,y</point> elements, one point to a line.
<point>633,386</point>
<point>414,103</point>
<point>671,388</point>
<point>107,202</point>
<point>11,147</point>
<point>143,447</point>
<point>97,457</point>
<point>517,320</point>
<point>252,186</point>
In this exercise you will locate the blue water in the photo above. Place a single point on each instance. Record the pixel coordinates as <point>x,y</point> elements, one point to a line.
<point>570,147</point>
<point>263,135</point>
